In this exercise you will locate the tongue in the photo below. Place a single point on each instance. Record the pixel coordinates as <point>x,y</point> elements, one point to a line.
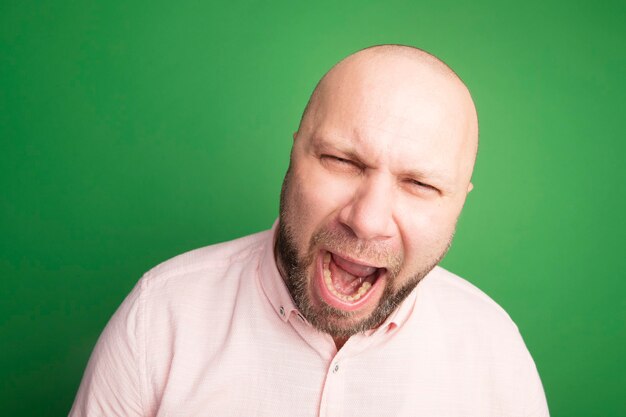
<point>348,276</point>
<point>344,282</point>
<point>353,269</point>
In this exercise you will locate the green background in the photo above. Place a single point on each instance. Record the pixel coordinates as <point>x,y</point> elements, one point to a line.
<point>131,132</point>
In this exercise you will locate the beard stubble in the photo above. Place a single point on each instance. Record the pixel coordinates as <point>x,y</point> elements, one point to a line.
<point>295,268</point>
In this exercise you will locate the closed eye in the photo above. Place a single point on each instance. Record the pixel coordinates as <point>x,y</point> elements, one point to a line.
<point>338,159</point>
<point>422,186</point>
<point>338,162</point>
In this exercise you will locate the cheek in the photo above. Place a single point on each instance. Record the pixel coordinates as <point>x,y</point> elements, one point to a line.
<point>309,206</point>
<point>320,193</point>
<point>426,230</point>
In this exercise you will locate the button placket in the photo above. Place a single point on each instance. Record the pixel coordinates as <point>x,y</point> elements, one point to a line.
<point>333,395</point>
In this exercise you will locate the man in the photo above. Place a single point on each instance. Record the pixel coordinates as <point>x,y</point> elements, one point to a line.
<point>340,309</point>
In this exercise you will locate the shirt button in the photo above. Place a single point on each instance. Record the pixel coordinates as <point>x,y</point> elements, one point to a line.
<point>282,311</point>
<point>336,368</point>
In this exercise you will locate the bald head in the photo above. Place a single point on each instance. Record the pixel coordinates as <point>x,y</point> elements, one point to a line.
<point>388,80</point>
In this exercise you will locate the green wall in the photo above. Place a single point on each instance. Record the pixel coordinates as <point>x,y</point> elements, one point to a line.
<point>133,132</point>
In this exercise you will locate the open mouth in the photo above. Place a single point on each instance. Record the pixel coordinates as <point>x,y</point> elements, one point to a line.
<point>348,284</point>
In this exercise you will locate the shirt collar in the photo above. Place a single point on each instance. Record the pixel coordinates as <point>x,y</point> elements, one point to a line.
<point>272,282</point>
<point>399,316</point>
<point>281,301</point>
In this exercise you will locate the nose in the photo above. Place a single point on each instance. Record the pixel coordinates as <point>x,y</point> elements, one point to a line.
<point>369,213</point>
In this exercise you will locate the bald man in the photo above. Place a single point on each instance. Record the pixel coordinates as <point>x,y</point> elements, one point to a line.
<point>341,308</point>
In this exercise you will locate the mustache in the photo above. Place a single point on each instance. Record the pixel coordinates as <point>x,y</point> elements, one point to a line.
<point>376,253</point>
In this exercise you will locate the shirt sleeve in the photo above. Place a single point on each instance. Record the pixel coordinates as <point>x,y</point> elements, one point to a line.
<point>534,397</point>
<point>538,406</point>
<point>112,382</point>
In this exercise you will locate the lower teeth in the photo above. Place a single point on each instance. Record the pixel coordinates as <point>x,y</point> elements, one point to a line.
<point>329,283</point>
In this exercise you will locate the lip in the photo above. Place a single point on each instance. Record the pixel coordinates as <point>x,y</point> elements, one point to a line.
<point>371,297</point>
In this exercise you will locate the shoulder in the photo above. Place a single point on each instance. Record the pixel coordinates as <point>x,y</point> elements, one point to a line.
<point>485,337</point>
<point>176,299</point>
<point>206,261</point>
<point>461,303</point>
<point>458,314</point>
<point>166,313</point>
<point>202,276</point>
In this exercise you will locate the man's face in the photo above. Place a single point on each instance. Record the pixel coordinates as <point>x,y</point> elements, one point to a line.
<point>378,176</point>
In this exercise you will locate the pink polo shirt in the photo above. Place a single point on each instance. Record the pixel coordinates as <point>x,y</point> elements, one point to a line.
<point>214,332</point>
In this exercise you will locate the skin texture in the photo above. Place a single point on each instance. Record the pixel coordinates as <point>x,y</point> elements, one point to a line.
<point>380,169</point>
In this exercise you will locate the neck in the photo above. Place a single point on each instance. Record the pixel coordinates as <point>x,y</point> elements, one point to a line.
<point>340,341</point>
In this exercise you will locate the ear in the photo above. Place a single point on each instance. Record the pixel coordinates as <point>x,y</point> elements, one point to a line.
<point>470,187</point>
<point>294,135</point>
